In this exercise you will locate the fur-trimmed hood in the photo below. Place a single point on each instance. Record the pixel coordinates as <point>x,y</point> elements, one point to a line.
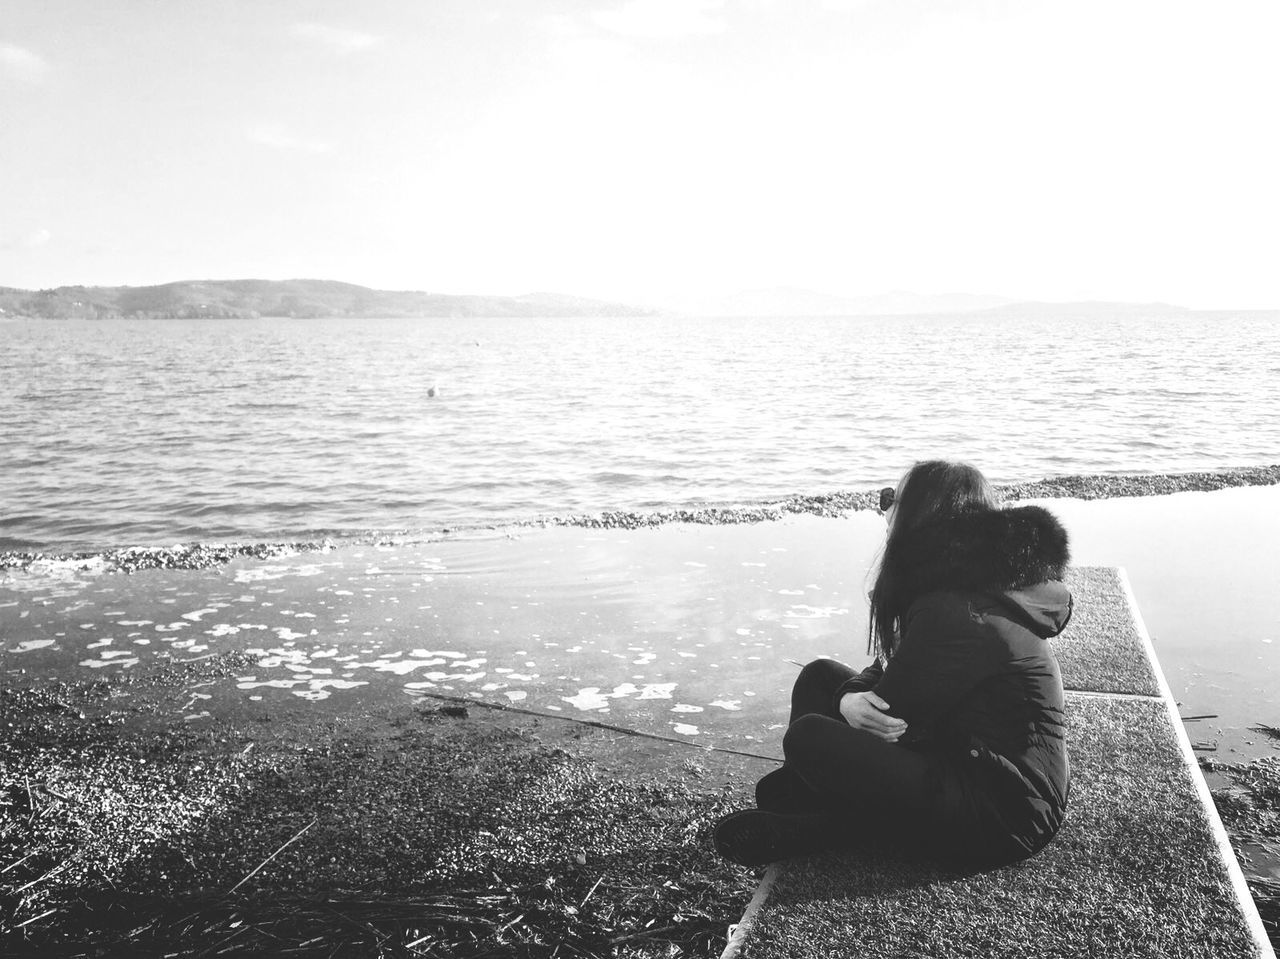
<point>1020,554</point>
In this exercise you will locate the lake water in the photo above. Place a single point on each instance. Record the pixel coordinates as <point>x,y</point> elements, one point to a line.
<point>153,432</point>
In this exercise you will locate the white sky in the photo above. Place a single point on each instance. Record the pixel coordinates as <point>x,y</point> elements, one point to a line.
<point>632,149</point>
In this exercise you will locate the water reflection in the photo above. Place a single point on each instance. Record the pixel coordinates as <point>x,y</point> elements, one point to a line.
<point>680,630</point>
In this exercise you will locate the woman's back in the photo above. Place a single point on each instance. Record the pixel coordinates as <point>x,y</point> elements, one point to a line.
<point>1002,695</point>
<point>955,738</point>
<point>973,674</point>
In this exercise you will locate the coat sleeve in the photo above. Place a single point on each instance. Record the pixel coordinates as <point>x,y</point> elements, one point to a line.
<point>944,653</point>
<point>865,680</point>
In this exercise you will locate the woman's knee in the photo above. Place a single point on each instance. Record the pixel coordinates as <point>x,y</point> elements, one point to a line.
<point>816,685</point>
<point>825,739</point>
<point>823,672</point>
<point>804,737</point>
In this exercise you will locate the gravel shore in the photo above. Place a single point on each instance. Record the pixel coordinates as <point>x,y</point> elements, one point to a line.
<point>1084,487</point>
<point>408,830</point>
<point>1093,486</point>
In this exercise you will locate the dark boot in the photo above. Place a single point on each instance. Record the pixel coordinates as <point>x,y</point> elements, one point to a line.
<point>782,790</point>
<point>754,837</point>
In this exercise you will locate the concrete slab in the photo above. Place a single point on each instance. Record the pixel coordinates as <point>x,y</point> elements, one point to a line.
<point>1141,868</point>
<point>1102,650</point>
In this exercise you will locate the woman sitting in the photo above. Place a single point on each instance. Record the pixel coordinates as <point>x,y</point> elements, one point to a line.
<point>952,742</point>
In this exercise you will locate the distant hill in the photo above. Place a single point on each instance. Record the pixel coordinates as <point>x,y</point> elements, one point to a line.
<point>232,299</point>
<point>792,301</point>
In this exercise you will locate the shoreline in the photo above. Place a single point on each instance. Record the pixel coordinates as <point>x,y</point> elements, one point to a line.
<point>200,555</point>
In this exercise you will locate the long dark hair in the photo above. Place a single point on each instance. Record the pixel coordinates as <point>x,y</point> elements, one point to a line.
<point>931,491</point>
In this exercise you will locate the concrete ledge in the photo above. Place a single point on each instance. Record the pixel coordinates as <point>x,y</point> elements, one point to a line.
<point>1103,649</point>
<point>1140,869</point>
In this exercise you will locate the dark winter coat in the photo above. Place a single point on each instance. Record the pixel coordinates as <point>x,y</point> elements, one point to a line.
<point>973,674</point>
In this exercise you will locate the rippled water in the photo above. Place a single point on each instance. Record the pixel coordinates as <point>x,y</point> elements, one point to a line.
<point>151,432</point>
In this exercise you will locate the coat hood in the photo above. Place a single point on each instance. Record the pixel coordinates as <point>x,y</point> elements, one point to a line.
<point>1019,555</point>
<point>1045,608</point>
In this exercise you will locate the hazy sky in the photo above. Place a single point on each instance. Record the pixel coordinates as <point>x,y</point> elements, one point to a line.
<point>1053,149</point>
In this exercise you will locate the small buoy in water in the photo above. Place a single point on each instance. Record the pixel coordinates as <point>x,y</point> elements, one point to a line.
<point>431,390</point>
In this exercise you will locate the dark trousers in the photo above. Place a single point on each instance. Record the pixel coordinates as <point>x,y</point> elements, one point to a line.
<point>847,771</point>
<point>870,788</point>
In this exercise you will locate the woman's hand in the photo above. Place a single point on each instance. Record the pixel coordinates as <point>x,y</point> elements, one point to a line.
<point>868,712</point>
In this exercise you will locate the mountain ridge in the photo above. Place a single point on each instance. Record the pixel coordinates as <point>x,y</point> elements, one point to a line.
<point>300,298</point>
<point>308,298</point>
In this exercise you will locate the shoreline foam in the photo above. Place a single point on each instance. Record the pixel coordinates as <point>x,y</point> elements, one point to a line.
<point>200,555</point>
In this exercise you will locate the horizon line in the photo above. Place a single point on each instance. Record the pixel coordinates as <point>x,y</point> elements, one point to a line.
<point>649,300</point>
